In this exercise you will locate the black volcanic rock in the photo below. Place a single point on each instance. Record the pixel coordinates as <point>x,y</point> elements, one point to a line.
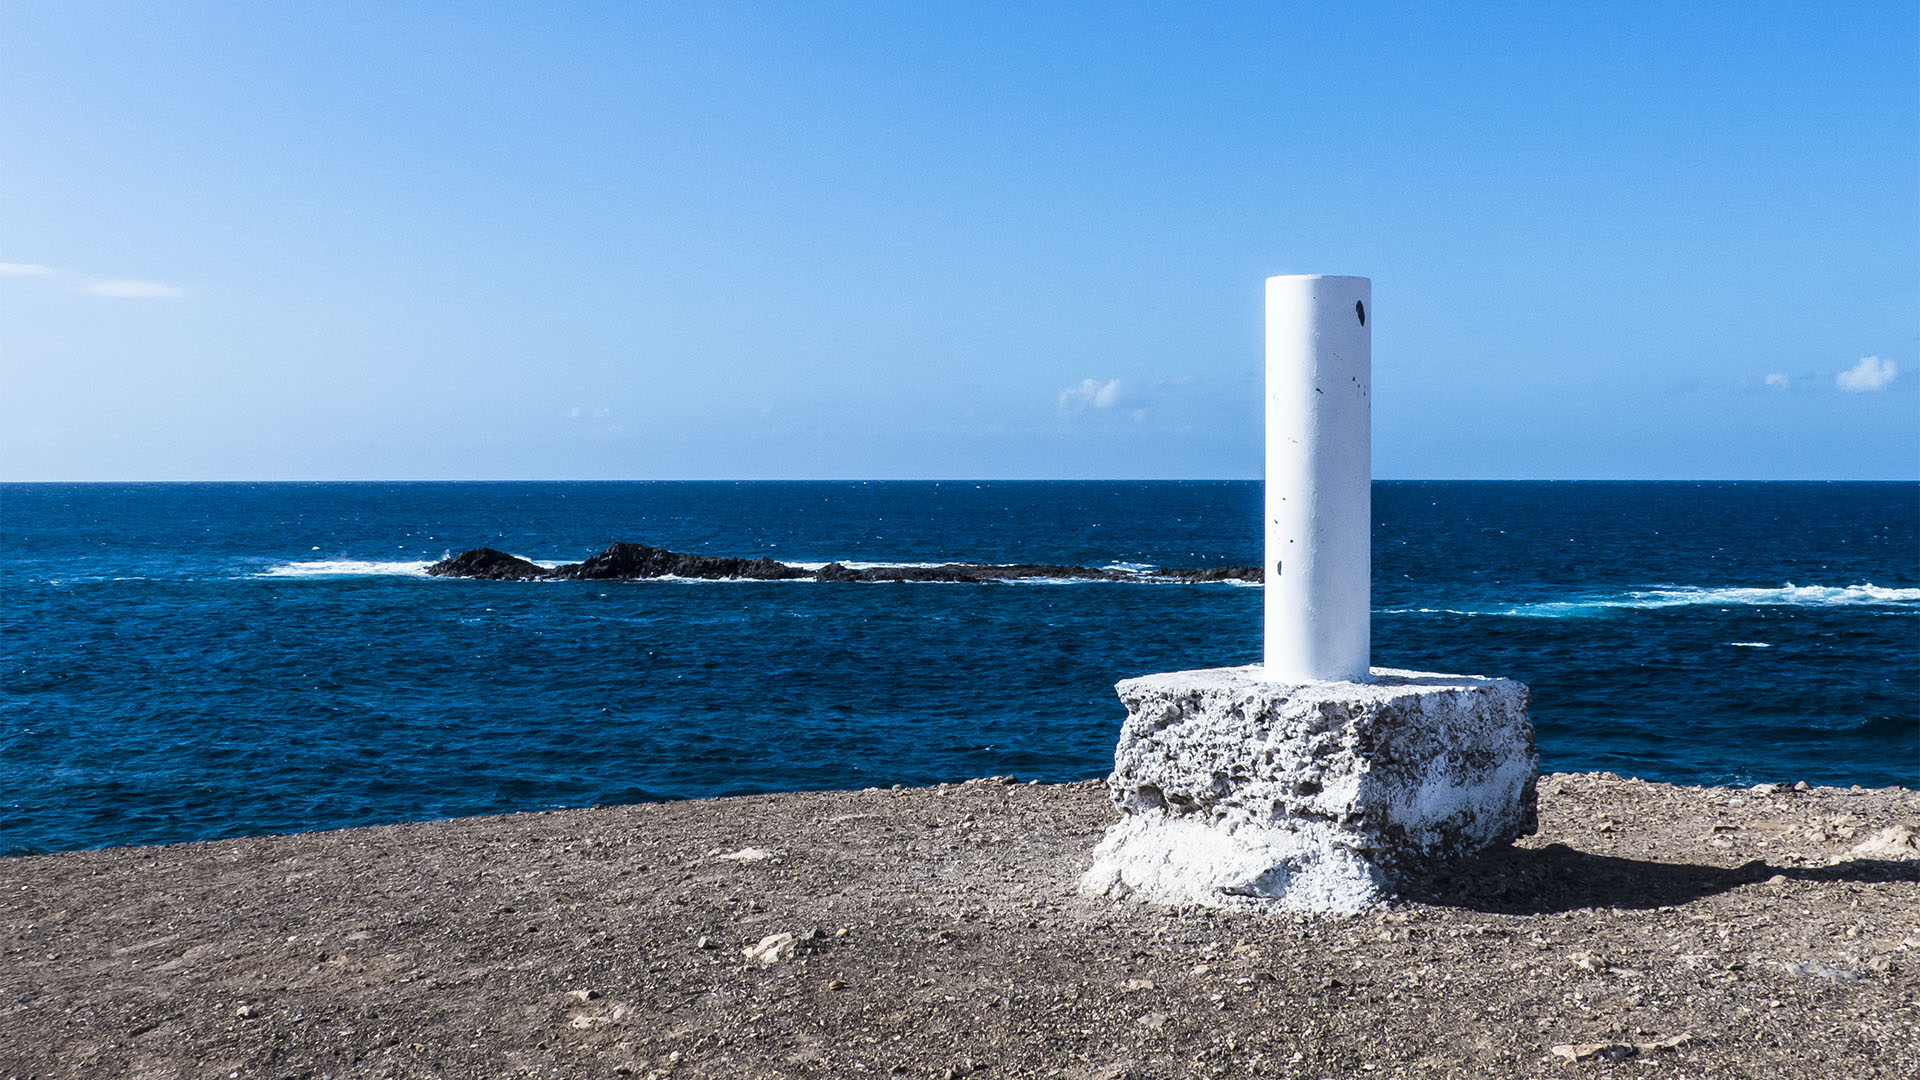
<point>488,564</point>
<point>1215,573</point>
<point>632,562</point>
<point>1045,570</point>
<point>963,573</point>
<point>626,562</point>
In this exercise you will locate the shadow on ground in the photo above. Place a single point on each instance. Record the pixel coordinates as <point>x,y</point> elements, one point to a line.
<point>1556,878</point>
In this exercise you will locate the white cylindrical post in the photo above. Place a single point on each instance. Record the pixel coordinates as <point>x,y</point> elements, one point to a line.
<point>1319,478</point>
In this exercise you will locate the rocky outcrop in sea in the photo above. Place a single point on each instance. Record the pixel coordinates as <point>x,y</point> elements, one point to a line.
<point>623,561</point>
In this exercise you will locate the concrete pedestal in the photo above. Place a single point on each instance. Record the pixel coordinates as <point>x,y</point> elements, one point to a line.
<point>1241,792</point>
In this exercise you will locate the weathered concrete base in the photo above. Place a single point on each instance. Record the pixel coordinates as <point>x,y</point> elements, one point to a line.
<point>1237,792</point>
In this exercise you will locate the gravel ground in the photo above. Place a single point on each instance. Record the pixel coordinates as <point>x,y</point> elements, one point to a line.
<point>1646,931</point>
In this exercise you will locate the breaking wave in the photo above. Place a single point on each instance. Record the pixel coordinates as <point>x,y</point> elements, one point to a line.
<point>1788,595</point>
<point>329,568</point>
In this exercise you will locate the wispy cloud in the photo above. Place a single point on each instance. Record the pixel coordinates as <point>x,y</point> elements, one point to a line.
<point>130,289</point>
<point>1778,382</point>
<point>593,422</point>
<point>92,285</point>
<point>1091,394</point>
<point>1871,373</point>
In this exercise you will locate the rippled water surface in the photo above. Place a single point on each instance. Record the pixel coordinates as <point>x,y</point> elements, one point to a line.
<point>191,661</point>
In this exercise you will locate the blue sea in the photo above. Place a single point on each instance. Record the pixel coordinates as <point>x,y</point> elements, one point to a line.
<point>190,661</point>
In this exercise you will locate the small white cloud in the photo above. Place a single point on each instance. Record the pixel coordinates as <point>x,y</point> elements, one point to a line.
<point>23,269</point>
<point>1091,394</point>
<point>127,288</point>
<point>1871,373</point>
<point>592,423</point>
<point>1778,382</point>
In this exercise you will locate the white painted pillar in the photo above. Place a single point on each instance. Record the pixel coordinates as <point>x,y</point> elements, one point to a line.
<point>1319,522</point>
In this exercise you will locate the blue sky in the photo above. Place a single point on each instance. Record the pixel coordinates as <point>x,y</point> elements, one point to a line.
<point>465,241</point>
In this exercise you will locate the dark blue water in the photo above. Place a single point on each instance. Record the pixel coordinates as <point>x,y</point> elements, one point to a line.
<point>192,661</point>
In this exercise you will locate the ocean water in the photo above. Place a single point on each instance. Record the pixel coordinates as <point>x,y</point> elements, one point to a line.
<point>188,661</point>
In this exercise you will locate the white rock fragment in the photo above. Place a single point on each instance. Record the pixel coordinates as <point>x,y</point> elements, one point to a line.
<point>1573,1052</point>
<point>1892,842</point>
<point>771,949</point>
<point>747,854</point>
<point>1240,792</point>
<point>583,1020</point>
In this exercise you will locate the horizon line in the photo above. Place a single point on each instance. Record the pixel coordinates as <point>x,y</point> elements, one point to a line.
<point>993,480</point>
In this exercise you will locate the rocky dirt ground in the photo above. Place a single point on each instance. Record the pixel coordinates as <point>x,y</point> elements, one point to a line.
<point>1647,931</point>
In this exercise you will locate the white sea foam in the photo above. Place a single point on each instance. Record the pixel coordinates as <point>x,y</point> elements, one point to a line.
<point>1141,573</point>
<point>1750,644</point>
<point>1677,596</point>
<point>1786,595</point>
<point>347,568</point>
